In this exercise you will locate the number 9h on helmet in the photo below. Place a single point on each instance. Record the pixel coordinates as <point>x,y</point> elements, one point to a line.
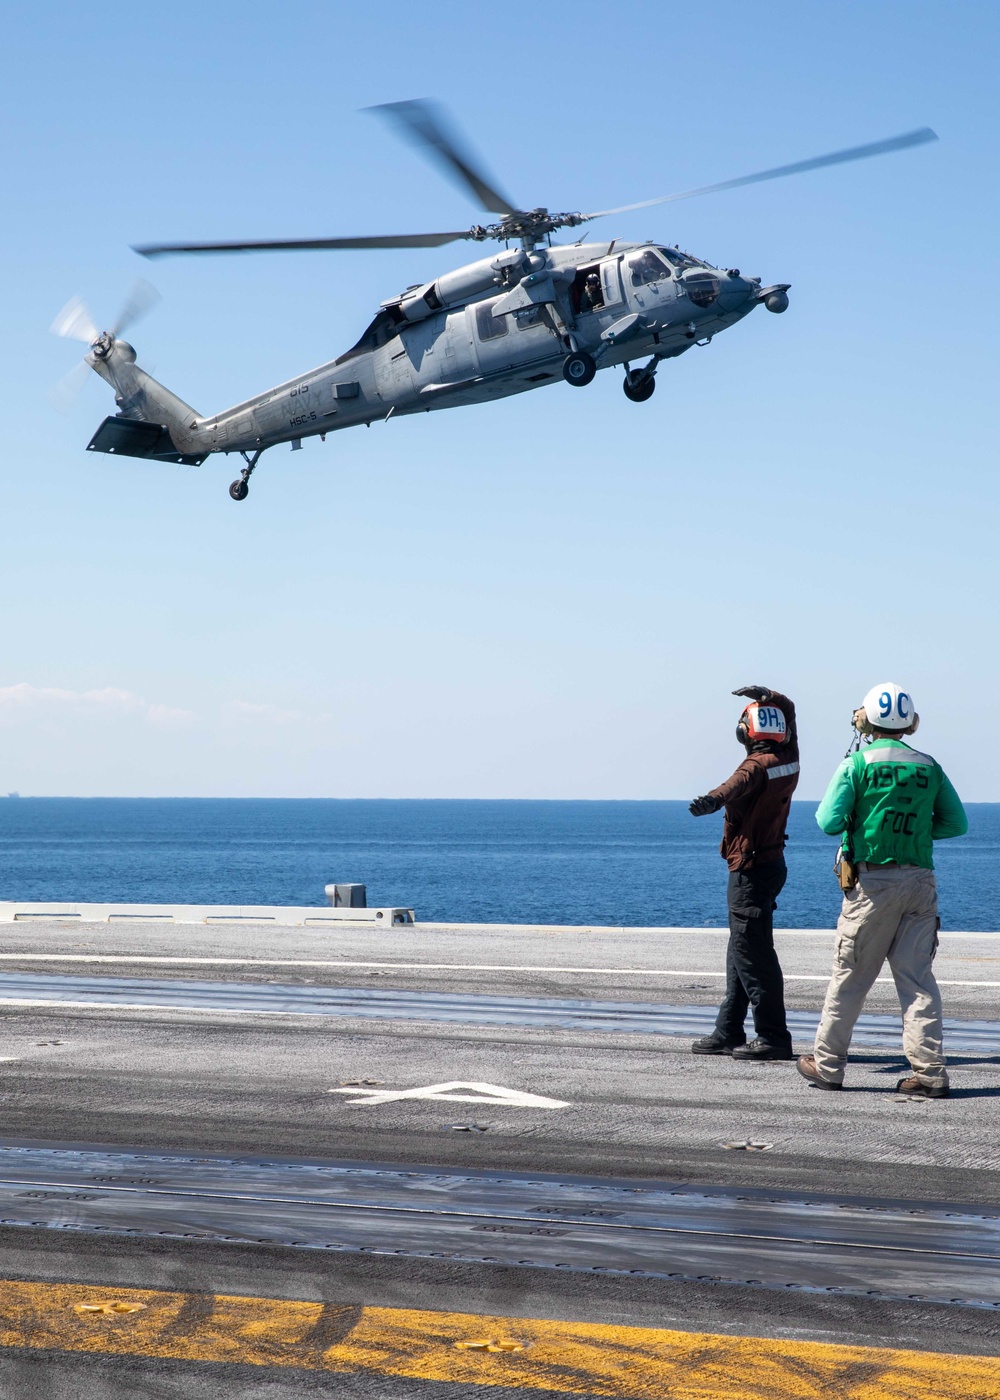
<point>887,706</point>
<point>759,721</point>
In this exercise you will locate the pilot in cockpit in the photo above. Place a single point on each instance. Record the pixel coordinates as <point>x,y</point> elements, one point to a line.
<point>647,267</point>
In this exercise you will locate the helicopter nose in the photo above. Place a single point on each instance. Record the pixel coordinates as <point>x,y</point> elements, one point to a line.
<point>735,291</point>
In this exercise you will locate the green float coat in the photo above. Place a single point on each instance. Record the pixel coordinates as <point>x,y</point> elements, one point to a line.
<point>897,801</point>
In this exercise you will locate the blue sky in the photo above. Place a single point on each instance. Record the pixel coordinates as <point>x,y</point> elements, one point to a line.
<point>548,597</point>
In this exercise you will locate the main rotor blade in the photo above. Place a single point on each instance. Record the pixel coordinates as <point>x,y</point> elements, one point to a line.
<point>392,240</point>
<point>876,148</point>
<point>424,125</point>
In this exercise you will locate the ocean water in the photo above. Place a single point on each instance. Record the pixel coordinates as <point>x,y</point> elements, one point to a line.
<point>630,863</point>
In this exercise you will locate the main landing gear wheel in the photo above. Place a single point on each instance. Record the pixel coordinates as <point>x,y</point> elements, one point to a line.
<point>239,490</point>
<point>639,387</point>
<point>579,368</point>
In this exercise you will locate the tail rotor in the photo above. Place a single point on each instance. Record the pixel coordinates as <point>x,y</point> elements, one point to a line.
<point>75,322</point>
<point>63,396</point>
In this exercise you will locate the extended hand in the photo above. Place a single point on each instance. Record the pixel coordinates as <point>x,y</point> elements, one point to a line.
<point>704,806</point>
<point>760,693</point>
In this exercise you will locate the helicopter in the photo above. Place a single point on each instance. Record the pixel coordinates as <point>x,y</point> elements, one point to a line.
<point>531,314</point>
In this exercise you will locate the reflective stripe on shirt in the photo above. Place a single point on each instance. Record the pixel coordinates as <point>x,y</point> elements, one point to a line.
<point>904,755</point>
<point>785,771</point>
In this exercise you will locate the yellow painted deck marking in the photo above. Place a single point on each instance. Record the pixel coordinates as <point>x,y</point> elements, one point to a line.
<point>573,1358</point>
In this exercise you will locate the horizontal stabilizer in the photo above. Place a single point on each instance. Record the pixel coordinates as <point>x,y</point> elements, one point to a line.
<point>129,437</point>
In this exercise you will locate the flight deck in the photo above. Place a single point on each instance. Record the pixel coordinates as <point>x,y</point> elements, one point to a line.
<point>388,1128</point>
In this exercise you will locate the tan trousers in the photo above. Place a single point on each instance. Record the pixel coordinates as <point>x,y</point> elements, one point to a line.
<point>890,914</point>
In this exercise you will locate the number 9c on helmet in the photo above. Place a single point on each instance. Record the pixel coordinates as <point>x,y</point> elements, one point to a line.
<point>887,706</point>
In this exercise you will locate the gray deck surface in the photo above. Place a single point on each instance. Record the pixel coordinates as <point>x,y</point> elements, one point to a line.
<point>640,1108</point>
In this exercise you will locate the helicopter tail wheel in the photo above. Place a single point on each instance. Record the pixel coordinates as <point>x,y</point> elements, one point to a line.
<point>579,368</point>
<point>639,387</point>
<point>240,489</point>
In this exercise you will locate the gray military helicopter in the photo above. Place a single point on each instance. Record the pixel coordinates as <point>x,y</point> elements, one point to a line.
<point>530,315</point>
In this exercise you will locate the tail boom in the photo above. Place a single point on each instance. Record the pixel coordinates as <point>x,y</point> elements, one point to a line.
<point>151,421</point>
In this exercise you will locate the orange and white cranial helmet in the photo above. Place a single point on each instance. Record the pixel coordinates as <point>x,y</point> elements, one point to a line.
<point>759,721</point>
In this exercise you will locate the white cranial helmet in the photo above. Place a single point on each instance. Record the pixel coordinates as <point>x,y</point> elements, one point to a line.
<point>889,706</point>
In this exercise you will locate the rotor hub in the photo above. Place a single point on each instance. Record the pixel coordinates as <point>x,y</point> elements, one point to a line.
<point>531,226</point>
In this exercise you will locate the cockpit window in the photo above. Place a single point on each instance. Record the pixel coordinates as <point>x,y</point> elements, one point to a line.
<point>679,259</point>
<point>647,267</point>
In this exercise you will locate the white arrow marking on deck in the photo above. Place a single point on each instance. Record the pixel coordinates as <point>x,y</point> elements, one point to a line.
<point>480,1093</point>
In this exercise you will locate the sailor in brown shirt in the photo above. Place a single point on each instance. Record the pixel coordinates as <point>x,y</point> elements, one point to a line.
<point>756,798</point>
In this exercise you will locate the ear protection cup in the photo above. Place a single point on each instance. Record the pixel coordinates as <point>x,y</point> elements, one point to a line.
<point>865,727</point>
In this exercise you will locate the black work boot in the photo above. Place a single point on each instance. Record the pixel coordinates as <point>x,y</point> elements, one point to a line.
<point>763,1050</point>
<point>715,1044</point>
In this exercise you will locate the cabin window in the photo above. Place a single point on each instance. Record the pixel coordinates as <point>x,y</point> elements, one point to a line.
<point>611,282</point>
<point>490,327</point>
<point>647,267</point>
<point>702,288</point>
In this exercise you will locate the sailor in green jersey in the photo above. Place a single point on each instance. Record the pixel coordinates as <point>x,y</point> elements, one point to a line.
<point>889,803</point>
<point>898,802</point>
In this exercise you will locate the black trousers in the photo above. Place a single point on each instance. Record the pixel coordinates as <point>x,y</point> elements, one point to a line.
<point>753,973</point>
